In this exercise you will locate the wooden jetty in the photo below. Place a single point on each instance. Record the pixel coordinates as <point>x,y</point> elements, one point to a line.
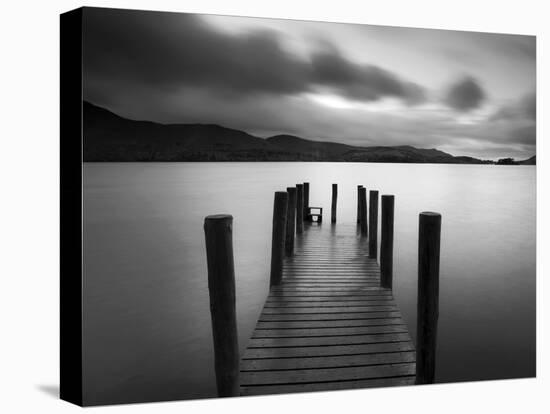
<point>330,321</point>
<point>328,325</point>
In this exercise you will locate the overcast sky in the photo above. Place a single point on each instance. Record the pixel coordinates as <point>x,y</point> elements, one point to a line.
<point>462,92</point>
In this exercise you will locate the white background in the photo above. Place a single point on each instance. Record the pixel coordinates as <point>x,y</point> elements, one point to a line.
<point>29,193</point>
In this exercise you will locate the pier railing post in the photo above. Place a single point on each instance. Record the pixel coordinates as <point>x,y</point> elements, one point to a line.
<point>334,203</point>
<point>359,204</point>
<point>363,211</point>
<point>306,200</point>
<point>299,208</point>
<point>221,287</point>
<point>280,207</point>
<point>429,236</point>
<point>373,224</point>
<point>290,221</point>
<point>386,242</point>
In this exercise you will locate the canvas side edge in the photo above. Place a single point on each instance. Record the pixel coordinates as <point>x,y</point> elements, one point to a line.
<point>71,384</point>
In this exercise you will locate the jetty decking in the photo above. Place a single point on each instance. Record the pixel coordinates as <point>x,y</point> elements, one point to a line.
<point>328,325</point>
<point>330,321</point>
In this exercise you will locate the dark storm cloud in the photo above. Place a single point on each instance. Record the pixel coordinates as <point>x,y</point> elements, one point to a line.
<point>167,50</point>
<point>524,135</point>
<point>362,82</point>
<point>181,68</point>
<point>465,94</point>
<point>164,51</point>
<point>524,108</point>
<point>529,105</point>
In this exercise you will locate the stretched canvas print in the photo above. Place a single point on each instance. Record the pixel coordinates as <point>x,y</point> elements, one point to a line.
<point>260,206</point>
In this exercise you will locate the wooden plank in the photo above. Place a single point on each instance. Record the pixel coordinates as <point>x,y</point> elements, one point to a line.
<point>312,280</point>
<point>319,262</point>
<point>294,293</point>
<point>328,324</point>
<point>324,275</point>
<point>326,386</point>
<point>330,340</point>
<point>333,298</point>
<point>331,255</point>
<point>321,283</point>
<point>357,289</point>
<point>325,351</point>
<point>308,295</point>
<point>327,374</point>
<point>266,317</point>
<point>274,364</point>
<point>320,270</point>
<point>330,311</point>
<point>328,272</point>
<point>332,280</point>
<point>321,297</point>
<point>344,282</point>
<point>359,266</point>
<point>324,259</point>
<point>321,332</point>
<point>326,304</point>
<point>321,277</point>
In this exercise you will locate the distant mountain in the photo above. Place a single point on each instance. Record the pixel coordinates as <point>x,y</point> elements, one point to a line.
<point>529,161</point>
<point>511,161</point>
<point>109,137</point>
<point>314,150</point>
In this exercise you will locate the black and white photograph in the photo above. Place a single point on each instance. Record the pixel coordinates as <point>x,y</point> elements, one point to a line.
<point>275,206</point>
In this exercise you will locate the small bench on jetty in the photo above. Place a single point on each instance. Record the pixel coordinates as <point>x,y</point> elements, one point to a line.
<point>312,214</point>
<point>330,321</point>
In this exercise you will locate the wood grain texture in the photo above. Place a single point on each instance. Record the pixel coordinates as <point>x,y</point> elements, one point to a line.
<point>327,386</point>
<point>329,324</point>
<point>290,221</point>
<point>334,203</point>
<point>386,241</point>
<point>280,207</point>
<point>218,231</point>
<point>299,208</point>
<point>429,236</point>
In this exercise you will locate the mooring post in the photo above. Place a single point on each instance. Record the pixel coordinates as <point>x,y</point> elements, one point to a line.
<point>299,208</point>
<point>290,221</point>
<point>373,224</point>
<point>334,201</point>
<point>358,204</point>
<point>221,287</point>
<point>429,236</point>
<point>306,201</point>
<point>363,211</point>
<point>280,207</point>
<point>386,242</point>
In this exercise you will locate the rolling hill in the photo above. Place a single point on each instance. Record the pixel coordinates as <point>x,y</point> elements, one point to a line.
<point>109,137</point>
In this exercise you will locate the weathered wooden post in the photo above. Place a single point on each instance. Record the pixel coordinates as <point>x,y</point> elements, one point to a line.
<point>280,207</point>
<point>363,211</point>
<point>334,201</point>
<point>429,236</point>
<point>299,208</point>
<point>358,204</point>
<point>221,286</point>
<point>386,242</point>
<point>306,201</point>
<point>290,221</point>
<point>373,224</point>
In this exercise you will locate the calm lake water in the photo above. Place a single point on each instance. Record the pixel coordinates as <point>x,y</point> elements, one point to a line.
<point>147,332</point>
